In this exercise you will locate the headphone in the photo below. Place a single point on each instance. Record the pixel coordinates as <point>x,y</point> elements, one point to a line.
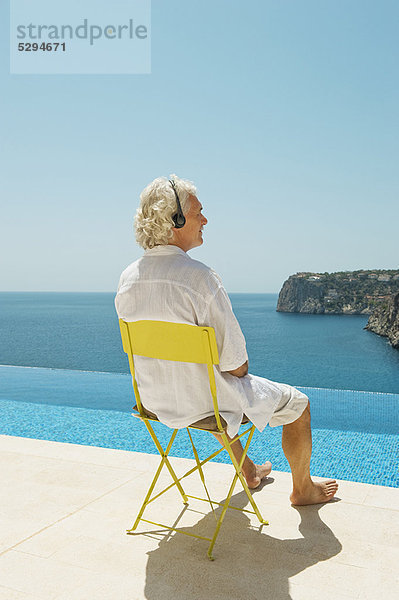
<point>178,218</point>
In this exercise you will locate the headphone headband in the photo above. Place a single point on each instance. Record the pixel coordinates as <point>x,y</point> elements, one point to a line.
<point>178,218</point>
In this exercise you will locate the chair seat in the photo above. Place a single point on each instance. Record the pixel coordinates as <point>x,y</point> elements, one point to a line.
<point>207,423</point>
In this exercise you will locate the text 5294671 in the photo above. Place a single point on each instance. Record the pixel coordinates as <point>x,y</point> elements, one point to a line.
<point>43,47</point>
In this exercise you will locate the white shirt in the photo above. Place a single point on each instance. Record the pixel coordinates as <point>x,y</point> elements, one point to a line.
<point>166,284</point>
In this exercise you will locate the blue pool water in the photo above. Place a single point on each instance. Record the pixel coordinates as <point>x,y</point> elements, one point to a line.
<point>355,434</point>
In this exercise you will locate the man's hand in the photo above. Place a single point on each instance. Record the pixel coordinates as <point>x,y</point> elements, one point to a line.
<point>240,371</point>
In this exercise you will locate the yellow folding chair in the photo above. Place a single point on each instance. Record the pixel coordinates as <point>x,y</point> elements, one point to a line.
<point>184,343</point>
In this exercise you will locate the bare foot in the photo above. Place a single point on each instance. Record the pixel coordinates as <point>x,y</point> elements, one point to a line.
<point>316,493</point>
<point>255,477</point>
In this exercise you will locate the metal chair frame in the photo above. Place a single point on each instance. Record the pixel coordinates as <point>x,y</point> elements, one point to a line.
<point>183,343</point>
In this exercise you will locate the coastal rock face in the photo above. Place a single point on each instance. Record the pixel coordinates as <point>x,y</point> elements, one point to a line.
<point>385,320</point>
<point>344,292</point>
<point>301,294</point>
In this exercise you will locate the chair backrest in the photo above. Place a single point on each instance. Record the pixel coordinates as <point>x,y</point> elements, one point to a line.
<point>171,341</point>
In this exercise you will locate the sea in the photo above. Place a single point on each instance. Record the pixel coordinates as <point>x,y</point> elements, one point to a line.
<point>79,331</point>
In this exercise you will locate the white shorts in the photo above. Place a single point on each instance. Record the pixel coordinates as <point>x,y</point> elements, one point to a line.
<point>290,407</point>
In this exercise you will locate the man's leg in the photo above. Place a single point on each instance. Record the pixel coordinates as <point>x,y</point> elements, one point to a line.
<point>252,473</point>
<point>297,446</point>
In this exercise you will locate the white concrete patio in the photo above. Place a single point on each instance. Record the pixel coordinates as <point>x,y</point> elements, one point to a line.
<point>65,509</point>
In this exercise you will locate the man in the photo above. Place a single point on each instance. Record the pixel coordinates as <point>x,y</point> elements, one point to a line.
<point>168,285</point>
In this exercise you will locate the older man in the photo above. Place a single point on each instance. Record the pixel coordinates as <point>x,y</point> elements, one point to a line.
<point>166,284</point>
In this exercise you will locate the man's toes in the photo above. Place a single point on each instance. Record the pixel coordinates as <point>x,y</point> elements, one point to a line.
<point>330,487</point>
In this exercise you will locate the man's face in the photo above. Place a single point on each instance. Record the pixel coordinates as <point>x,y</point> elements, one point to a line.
<point>190,236</point>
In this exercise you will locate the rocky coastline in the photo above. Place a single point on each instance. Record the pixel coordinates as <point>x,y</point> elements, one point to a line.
<point>343,292</point>
<point>385,320</point>
<point>374,293</point>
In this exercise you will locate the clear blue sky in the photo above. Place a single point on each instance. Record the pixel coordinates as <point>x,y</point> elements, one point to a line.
<point>284,114</point>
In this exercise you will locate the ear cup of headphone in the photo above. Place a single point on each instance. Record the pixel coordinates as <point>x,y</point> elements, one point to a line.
<point>179,220</point>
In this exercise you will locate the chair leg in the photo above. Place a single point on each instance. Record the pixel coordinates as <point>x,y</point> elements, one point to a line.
<point>240,475</point>
<point>164,461</point>
<point>220,520</point>
<point>237,475</point>
<point>165,456</point>
<point>201,472</point>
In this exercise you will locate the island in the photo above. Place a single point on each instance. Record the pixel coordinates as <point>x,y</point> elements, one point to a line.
<point>340,293</point>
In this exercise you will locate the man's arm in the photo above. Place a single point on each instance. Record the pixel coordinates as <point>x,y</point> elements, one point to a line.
<point>240,371</point>
<point>229,337</point>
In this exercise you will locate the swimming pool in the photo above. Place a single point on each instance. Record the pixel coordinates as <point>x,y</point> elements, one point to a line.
<point>355,434</point>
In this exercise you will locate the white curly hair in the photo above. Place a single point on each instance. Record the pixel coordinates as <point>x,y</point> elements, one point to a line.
<point>153,222</point>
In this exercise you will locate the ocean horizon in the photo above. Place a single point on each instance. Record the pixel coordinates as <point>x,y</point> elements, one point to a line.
<point>79,331</point>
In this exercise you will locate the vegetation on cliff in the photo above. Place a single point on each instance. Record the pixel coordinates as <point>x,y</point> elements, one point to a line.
<point>343,292</point>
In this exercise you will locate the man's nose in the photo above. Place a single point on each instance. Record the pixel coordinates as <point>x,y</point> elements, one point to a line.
<point>204,220</point>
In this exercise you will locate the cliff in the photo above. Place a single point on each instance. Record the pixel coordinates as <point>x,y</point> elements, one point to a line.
<point>385,320</point>
<point>343,292</point>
